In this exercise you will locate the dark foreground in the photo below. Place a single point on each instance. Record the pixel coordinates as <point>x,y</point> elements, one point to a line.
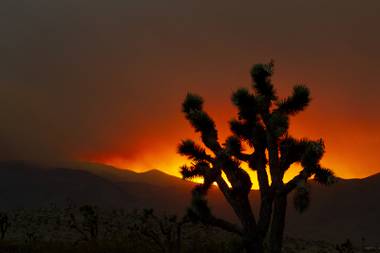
<point>89,229</point>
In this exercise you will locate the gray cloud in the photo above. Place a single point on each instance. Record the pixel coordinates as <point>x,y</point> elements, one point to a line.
<point>88,77</point>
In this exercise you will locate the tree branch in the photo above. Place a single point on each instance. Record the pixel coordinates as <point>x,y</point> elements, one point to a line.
<point>223,186</point>
<point>230,227</point>
<point>292,184</point>
<point>266,195</point>
<point>243,157</point>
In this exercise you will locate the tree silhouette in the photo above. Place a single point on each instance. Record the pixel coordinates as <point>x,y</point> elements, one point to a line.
<point>164,231</point>
<point>263,122</point>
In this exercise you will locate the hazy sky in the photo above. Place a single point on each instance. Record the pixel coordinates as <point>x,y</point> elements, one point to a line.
<point>104,80</point>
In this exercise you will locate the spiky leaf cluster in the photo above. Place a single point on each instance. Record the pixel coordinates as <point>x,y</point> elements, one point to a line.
<point>200,120</point>
<point>324,176</point>
<point>297,102</point>
<point>233,146</point>
<point>192,103</point>
<point>242,130</point>
<point>198,169</point>
<point>261,74</point>
<point>246,104</point>
<point>199,209</point>
<point>313,154</point>
<point>278,124</point>
<point>193,151</point>
<point>301,198</point>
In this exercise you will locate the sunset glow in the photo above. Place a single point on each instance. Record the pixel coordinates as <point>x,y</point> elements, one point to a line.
<point>167,160</point>
<point>112,94</point>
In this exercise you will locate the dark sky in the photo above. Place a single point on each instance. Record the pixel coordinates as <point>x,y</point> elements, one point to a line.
<point>104,80</point>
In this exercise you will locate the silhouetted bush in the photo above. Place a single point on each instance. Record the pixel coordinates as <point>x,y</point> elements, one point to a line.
<point>345,247</point>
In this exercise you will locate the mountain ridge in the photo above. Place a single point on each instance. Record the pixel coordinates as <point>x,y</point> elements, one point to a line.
<point>348,209</point>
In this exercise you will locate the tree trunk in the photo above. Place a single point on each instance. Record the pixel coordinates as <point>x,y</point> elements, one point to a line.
<point>178,238</point>
<point>278,224</point>
<point>253,244</point>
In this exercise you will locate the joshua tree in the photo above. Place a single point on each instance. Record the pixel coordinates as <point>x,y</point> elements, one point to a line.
<point>262,124</point>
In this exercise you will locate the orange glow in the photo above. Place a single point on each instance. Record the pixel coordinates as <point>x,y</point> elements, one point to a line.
<point>169,162</point>
<point>172,164</point>
<point>349,149</point>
